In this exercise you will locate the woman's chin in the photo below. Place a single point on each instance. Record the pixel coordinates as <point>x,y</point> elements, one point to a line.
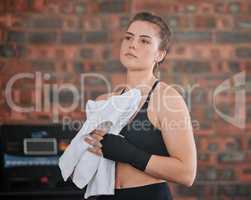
<point>129,64</point>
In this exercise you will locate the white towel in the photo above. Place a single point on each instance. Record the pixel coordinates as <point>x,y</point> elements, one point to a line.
<point>86,168</point>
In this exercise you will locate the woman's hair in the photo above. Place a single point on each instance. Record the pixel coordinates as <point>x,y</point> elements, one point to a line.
<point>164,33</point>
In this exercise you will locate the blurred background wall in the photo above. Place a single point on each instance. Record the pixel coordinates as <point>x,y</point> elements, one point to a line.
<point>53,42</point>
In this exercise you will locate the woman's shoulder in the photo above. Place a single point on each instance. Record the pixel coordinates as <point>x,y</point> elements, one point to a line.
<point>166,89</point>
<point>171,99</point>
<point>168,96</point>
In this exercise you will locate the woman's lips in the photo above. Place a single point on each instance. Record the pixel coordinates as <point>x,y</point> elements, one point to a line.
<point>130,55</point>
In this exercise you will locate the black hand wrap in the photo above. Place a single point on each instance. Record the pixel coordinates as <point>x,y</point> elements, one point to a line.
<point>117,148</point>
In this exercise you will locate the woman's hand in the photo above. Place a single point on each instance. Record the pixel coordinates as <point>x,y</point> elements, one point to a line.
<point>117,148</point>
<point>94,139</point>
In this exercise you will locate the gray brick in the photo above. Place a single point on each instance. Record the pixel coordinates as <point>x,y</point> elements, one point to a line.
<point>80,8</point>
<point>195,190</point>
<point>96,37</point>
<point>243,52</point>
<point>123,21</point>
<point>7,51</point>
<point>112,6</point>
<point>224,109</point>
<point>192,36</point>
<point>234,66</point>
<point>235,190</point>
<point>42,37</point>
<point>24,20</point>
<point>16,36</point>
<point>200,176</point>
<point>86,53</point>
<point>114,66</point>
<point>234,8</point>
<point>107,53</point>
<point>203,156</point>
<point>94,94</point>
<point>226,174</point>
<point>173,21</point>
<point>71,38</point>
<point>94,81</point>
<point>191,8</point>
<point>65,97</point>
<point>46,23</point>
<point>207,174</point>
<point>211,174</point>
<point>42,65</point>
<point>190,66</point>
<point>213,147</point>
<point>21,51</point>
<point>226,157</point>
<point>199,95</point>
<point>209,113</point>
<point>234,145</point>
<point>249,140</point>
<point>243,23</point>
<point>233,37</point>
<point>205,125</point>
<point>79,67</point>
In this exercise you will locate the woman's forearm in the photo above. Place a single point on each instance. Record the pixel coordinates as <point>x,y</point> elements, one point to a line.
<point>170,169</point>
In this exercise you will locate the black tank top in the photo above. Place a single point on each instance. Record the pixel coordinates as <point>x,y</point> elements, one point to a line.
<point>142,133</point>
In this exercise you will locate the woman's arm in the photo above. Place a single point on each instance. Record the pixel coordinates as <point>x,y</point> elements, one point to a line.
<point>178,137</point>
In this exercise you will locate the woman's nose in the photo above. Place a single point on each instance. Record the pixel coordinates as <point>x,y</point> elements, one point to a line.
<point>133,44</point>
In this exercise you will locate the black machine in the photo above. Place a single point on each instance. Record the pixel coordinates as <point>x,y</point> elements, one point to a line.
<point>29,161</point>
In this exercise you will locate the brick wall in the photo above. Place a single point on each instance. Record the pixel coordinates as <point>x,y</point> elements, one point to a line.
<point>51,43</point>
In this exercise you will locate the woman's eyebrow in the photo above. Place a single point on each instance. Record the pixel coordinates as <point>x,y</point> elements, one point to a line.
<point>140,35</point>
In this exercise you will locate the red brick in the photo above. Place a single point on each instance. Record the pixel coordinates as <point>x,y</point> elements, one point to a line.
<point>224,23</point>
<point>1,35</point>
<point>242,22</point>
<point>157,6</point>
<point>206,8</point>
<point>214,57</point>
<point>39,5</point>
<point>244,172</point>
<point>204,22</point>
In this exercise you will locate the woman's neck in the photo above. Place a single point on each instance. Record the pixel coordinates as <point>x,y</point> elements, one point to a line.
<point>140,81</point>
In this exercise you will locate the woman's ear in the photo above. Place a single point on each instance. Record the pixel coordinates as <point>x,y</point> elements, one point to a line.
<point>161,55</point>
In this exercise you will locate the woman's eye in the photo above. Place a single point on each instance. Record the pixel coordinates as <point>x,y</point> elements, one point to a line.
<point>127,37</point>
<point>145,41</point>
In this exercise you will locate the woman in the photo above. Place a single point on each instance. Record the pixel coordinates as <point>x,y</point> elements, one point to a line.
<point>159,149</point>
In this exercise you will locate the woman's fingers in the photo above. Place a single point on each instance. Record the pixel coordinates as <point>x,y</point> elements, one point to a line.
<point>95,146</point>
<point>94,139</point>
<point>101,133</point>
<point>96,136</point>
<point>95,150</point>
<point>98,132</point>
<point>93,142</point>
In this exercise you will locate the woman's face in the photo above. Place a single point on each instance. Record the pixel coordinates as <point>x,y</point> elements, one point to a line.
<point>140,46</point>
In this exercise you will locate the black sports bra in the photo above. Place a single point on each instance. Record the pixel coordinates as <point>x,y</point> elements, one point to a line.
<point>142,133</point>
